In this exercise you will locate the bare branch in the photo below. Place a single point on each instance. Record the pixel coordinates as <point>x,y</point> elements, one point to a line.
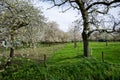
<point>101,12</point>
<point>103,3</point>
<point>106,30</point>
<point>50,7</point>
<point>55,4</point>
<point>75,7</point>
<point>66,9</point>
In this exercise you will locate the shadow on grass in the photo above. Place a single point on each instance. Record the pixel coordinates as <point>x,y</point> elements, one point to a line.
<point>78,57</point>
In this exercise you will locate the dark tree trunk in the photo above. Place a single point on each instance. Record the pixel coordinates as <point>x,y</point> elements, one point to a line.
<point>86,26</point>
<point>11,55</point>
<point>12,46</point>
<point>85,44</point>
<point>11,52</point>
<point>85,35</point>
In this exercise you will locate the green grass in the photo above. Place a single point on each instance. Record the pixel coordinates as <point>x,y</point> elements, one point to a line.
<point>68,63</point>
<point>65,52</point>
<point>111,52</point>
<point>86,69</point>
<point>69,54</point>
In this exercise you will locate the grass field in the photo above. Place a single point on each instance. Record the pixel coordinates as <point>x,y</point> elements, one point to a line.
<point>70,54</point>
<point>111,52</point>
<point>66,63</point>
<point>65,52</point>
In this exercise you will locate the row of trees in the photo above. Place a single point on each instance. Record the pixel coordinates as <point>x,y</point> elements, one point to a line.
<point>96,36</point>
<point>50,33</point>
<point>21,21</point>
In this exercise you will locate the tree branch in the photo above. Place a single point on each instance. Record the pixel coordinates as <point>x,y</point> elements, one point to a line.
<point>55,4</point>
<point>101,12</point>
<point>103,3</point>
<point>106,30</point>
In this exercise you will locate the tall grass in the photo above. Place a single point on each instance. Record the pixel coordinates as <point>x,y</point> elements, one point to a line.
<point>86,69</point>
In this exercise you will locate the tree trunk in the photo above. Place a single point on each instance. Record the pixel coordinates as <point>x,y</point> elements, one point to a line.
<point>106,40</point>
<point>11,55</point>
<point>12,46</point>
<point>85,44</point>
<point>85,36</point>
<point>75,43</point>
<point>11,52</point>
<point>86,27</point>
<point>106,43</point>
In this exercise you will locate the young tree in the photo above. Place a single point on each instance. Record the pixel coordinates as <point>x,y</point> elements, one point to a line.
<point>74,33</point>
<point>90,10</point>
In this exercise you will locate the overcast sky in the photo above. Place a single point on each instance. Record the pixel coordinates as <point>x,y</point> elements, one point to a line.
<point>54,14</point>
<point>63,19</point>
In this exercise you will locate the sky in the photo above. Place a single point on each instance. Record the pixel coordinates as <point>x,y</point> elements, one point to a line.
<point>55,14</point>
<point>65,19</point>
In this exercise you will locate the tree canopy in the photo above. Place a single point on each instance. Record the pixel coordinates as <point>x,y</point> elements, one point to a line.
<point>15,14</point>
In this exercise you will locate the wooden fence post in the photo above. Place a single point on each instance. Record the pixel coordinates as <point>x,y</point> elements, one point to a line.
<point>91,51</point>
<point>102,56</point>
<point>45,60</point>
